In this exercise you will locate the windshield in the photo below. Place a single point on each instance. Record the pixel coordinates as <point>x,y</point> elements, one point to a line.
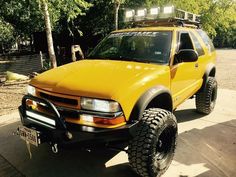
<point>153,47</point>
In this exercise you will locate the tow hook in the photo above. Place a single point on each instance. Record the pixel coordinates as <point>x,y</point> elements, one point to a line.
<point>55,148</point>
<point>69,135</point>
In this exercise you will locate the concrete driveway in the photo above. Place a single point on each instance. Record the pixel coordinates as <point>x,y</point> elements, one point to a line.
<point>206,148</point>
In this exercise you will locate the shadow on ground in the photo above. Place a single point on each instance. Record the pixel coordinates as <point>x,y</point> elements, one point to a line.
<point>206,152</point>
<point>186,115</point>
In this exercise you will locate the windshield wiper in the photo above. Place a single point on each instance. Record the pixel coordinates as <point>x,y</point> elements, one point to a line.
<point>133,59</point>
<point>121,58</point>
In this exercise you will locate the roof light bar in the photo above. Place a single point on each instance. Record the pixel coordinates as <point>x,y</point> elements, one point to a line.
<point>156,13</point>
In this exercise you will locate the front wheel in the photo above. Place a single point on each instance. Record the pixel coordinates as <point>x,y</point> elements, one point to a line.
<point>152,149</point>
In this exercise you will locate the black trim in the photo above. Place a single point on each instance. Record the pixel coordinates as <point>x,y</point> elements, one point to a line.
<point>206,75</point>
<point>145,99</point>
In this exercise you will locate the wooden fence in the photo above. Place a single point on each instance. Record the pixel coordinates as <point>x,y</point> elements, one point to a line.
<point>21,64</point>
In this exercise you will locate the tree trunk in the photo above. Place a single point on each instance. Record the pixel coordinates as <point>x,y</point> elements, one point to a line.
<point>117,7</point>
<point>51,51</point>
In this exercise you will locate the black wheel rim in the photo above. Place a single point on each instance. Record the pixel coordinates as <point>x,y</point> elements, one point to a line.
<point>165,147</point>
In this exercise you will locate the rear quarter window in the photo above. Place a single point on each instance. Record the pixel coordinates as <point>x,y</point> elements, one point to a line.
<point>197,45</point>
<point>206,40</point>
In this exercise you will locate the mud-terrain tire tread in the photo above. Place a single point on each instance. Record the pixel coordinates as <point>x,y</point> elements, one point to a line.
<point>203,98</point>
<point>142,143</point>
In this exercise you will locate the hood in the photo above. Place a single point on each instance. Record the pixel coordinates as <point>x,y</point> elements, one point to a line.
<point>95,78</point>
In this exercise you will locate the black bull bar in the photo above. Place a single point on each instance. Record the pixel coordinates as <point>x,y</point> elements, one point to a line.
<point>55,130</point>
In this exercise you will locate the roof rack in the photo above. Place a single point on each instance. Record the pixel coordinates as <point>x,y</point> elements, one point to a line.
<point>170,22</point>
<point>162,16</point>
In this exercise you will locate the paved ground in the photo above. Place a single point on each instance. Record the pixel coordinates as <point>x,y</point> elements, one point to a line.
<point>206,148</point>
<point>226,72</point>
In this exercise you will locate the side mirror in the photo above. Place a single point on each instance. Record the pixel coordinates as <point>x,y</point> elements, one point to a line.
<point>187,55</point>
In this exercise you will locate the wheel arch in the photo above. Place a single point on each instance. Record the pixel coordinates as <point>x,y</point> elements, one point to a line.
<point>210,72</point>
<point>158,97</point>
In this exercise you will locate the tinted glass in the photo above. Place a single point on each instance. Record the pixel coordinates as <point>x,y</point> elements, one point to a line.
<point>197,45</point>
<point>185,41</point>
<point>135,46</point>
<point>206,40</point>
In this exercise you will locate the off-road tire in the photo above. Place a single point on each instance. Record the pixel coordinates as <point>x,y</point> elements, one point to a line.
<point>206,99</point>
<point>152,148</point>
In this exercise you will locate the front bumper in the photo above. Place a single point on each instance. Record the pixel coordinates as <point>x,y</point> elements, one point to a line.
<point>53,128</point>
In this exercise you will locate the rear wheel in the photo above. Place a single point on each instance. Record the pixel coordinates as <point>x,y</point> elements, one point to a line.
<point>152,148</point>
<point>205,100</point>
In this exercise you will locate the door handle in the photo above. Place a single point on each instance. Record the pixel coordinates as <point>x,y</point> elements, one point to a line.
<point>196,65</point>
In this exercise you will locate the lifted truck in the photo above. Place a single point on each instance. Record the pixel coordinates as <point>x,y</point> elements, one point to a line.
<point>125,90</point>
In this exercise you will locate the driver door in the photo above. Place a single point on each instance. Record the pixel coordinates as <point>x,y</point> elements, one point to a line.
<point>183,74</point>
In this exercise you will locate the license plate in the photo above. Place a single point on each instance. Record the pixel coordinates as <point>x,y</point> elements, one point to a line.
<point>29,135</point>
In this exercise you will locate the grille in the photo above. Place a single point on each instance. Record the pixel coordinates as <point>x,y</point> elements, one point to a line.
<point>68,101</point>
<point>70,114</point>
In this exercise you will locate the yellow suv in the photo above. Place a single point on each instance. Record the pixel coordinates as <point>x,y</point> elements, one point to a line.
<point>126,90</point>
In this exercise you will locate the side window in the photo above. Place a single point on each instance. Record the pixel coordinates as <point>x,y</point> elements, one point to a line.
<point>185,41</point>
<point>197,45</point>
<point>206,40</point>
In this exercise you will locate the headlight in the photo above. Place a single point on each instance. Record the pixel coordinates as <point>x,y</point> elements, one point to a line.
<point>31,90</point>
<point>99,105</point>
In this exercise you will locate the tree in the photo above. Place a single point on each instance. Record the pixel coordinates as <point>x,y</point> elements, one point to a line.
<point>51,51</point>
<point>117,4</point>
<point>6,34</point>
<point>72,8</point>
<point>26,16</point>
<point>23,15</point>
<point>99,19</point>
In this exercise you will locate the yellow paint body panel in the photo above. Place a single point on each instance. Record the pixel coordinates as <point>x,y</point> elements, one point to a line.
<point>126,81</point>
<point>120,81</point>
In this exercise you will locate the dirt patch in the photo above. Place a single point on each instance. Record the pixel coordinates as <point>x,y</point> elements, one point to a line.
<point>10,97</point>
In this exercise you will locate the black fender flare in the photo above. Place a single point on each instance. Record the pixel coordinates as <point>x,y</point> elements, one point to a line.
<point>146,98</point>
<point>210,71</point>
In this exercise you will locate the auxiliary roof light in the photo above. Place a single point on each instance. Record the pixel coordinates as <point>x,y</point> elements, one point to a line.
<point>141,12</point>
<point>197,18</point>
<point>129,13</point>
<point>154,11</point>
<point>168,9</point>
